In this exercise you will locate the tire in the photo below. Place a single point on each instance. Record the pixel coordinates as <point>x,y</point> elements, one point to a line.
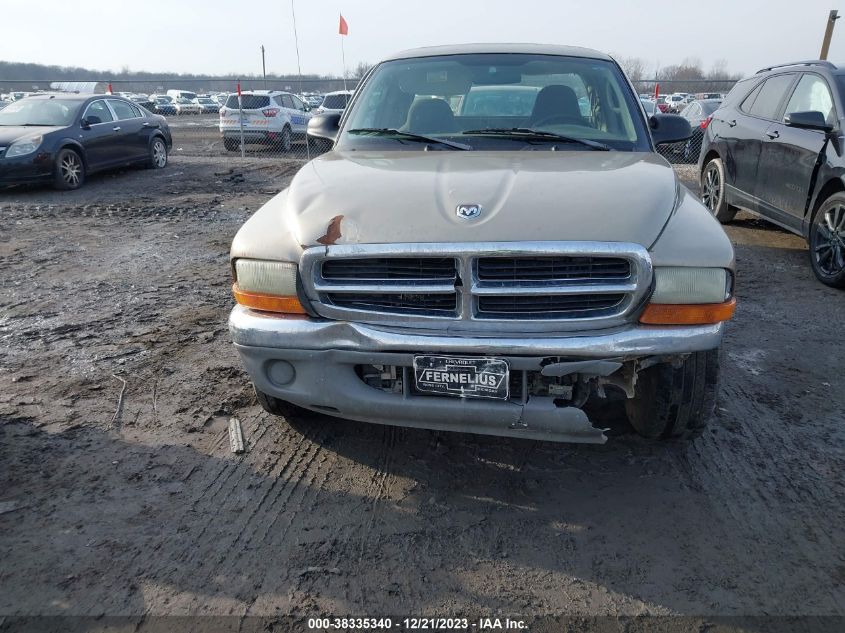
<point>713,191</point>
<point>280,408</point>
<point>827,242</point>
<point>68,170</point>
<point>158,154</point>
<point>231,145</point>
<point>287,140</point>
<point>675,402</point>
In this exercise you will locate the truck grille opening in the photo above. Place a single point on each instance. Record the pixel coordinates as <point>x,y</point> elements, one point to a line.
<point>389,269</point>
<point>405,303</point>
<point>546,306</point>
<point>553,269</point>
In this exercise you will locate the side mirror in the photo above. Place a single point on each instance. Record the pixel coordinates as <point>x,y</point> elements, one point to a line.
<point>669,128</point>
<point>85,124</point>
<point>809,120</point>
<point>324,126</point>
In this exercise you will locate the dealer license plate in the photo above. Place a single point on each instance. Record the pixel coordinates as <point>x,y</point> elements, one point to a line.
<point>462,377</point>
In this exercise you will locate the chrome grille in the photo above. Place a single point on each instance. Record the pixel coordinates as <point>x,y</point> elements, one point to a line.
<point>487,286</point>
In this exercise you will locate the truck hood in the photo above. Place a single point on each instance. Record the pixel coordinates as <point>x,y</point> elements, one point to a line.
<point>377,198</point>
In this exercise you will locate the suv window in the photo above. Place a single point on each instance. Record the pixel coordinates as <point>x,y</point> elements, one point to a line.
<point>297,103</point>
<point>99,109</point>
<point>770,96</point>
<point>286,101</point>
<point>250,102</point>
<point>812,93</point>
<point>122,110</point>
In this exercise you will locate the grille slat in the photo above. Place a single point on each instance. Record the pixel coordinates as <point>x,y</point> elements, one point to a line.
<point>552,269</point>
<point>444,305</point>
<point>550,306</point>
<point>387,269</point>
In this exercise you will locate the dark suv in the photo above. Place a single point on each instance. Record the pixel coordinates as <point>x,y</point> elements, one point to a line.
<point>776,148</point>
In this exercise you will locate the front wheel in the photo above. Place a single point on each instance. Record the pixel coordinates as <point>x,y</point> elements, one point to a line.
<point>713,191</point>
<point>287,140</point>
<point>827,242</point>
<point>675,400</point>
<point>158,154</point>
<point>68,170</point>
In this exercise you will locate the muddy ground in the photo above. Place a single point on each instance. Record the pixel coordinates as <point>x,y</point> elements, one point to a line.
<point>119,494</point>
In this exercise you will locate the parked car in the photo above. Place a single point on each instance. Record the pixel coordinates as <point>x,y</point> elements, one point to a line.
<point>208,105</point>
<point>698,113</point>
<point>144,101</point>
<point>510,289</point>
<point>269,117</point>
<point>184,105</point>
<point>774,148</point>
<point>674,102</point>
<point>182,94</point>
<point>163,105</point>
<point>334,102</point>
<point>62,139</point>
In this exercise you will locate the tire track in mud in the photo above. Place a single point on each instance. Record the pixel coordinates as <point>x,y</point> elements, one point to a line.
<point>770,507</point>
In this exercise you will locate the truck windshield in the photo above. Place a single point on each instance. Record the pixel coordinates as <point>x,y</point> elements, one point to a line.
<point>475,99</point>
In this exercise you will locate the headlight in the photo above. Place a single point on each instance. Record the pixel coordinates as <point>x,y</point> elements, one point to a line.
<point>690,296</point>
<point>24,146</point>
<point>267,286</point>
<point>678,285</point>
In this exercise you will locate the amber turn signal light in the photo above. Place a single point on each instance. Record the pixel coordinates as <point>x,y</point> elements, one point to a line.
<point>267,303</point>
<point>688,314</point>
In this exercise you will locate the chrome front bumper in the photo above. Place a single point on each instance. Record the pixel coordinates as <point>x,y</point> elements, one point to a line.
<point>311,363</point>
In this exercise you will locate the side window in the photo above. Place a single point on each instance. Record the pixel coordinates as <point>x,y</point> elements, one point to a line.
<point>749,100</point>
<point>767,103</point>
<point>297,104</point>
<point>122,109</point>
<point>98,112</point>
<point>287,102</point>
<point>812,93</point>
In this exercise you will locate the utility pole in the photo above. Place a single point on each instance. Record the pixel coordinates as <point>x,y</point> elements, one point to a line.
<point>263,67</point>
<point>828,32</point>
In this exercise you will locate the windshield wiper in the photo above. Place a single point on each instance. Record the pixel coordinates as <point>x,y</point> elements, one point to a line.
<point>528,133</point>
<point>384,131</point>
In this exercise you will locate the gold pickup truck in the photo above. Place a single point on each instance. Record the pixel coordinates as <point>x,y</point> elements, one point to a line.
<point>491,245</point>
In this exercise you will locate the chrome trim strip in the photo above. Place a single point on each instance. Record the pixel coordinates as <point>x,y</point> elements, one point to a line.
<point>479,288</point>
<point>385,288</point>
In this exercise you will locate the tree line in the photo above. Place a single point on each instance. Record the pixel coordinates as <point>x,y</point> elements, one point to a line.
<point>688,76</point>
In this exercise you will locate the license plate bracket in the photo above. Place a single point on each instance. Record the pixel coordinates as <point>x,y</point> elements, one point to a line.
<point>462,377</point>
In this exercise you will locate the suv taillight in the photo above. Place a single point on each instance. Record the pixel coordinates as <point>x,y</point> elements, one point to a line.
<point>706,122</point>
<point>270,112</point>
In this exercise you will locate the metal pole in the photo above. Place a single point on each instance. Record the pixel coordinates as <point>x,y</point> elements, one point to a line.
<point>241,118</point>
<point>299,70</point>
<point>828,33</point>
<point>263,67</point>
<point>343,54</point>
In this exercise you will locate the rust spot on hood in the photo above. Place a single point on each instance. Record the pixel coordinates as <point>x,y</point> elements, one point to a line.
<point>332,232</point>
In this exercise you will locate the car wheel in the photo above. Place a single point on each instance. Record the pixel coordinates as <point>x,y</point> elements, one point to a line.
<point>68,170</point>
<point>158,154</point>
<point>675,400</point>
<point>231,145</point>
<point>713,191</point>
<point>281,408</point>
<point>827,242</point>
<point>286,139</point>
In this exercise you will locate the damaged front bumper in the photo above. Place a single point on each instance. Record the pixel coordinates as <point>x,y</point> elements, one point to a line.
<point>316,364</point>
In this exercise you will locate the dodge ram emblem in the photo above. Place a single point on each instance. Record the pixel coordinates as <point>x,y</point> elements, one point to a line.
<point>468,211</point>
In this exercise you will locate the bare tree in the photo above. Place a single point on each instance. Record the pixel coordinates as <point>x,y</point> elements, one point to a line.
<point>361,69</point>
<point>634,67</point>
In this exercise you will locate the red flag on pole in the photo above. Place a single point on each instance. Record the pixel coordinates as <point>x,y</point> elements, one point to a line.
<point>239,88</point>
<point>343,29</point>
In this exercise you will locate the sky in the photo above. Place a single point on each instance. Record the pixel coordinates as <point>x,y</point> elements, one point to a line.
<point>224,36</point>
